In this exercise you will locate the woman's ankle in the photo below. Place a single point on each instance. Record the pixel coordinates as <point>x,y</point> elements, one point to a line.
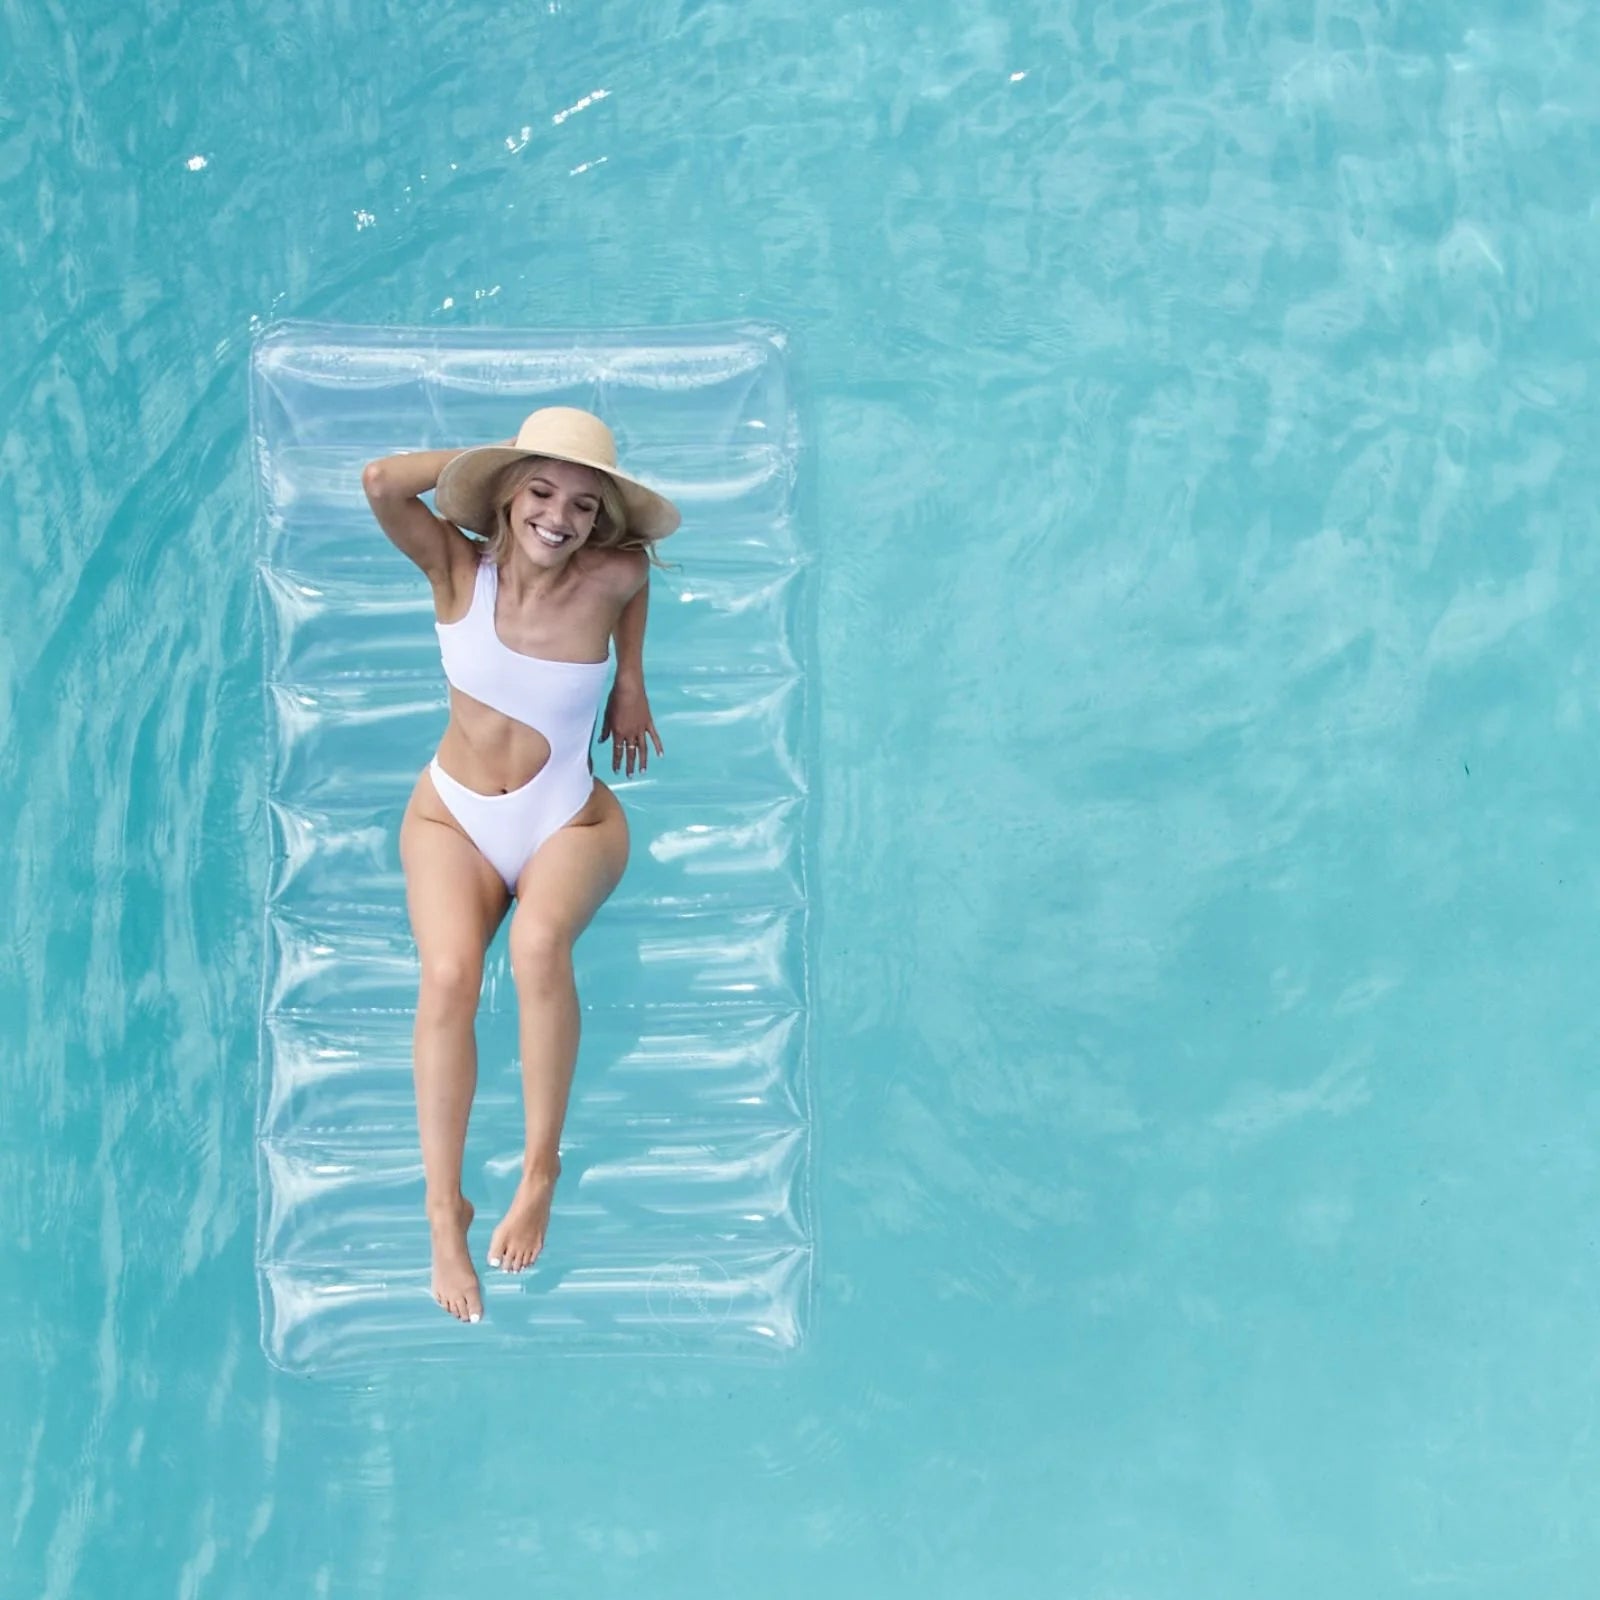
<point>543,1168</point>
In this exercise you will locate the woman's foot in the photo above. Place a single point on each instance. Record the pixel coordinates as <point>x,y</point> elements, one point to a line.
<point>455,1284</point>
<point>518,1240</point>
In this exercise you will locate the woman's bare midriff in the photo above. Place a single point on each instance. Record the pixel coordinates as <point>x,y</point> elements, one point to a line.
<point>487,751</point>
<point>494,760</point>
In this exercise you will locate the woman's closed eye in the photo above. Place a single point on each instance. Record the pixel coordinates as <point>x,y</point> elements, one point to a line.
<point>586,507</point>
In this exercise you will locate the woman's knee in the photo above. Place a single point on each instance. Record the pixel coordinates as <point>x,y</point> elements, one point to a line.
<point>541,953</point>
<point>450,984</point>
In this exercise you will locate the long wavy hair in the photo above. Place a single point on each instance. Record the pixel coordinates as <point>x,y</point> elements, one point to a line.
<point>611,531</point>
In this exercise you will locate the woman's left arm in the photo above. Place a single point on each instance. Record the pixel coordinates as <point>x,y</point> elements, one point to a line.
<point>627,722</point>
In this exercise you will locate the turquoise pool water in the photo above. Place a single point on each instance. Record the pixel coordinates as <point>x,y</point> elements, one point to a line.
<point>1203,430</point>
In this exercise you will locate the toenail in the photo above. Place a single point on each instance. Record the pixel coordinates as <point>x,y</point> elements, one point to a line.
<point>474,1317</point>
<point>494,1261</point>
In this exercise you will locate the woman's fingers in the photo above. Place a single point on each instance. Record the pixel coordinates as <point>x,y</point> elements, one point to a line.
<point>635,747</point>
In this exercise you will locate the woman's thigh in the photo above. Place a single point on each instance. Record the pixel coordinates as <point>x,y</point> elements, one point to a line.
<point>572,873</point>
<point>455,898</point>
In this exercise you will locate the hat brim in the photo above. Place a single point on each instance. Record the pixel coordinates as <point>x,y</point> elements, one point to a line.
<point>462,494</point>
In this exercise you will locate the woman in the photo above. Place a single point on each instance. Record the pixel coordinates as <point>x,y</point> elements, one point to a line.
<point>509,806</point>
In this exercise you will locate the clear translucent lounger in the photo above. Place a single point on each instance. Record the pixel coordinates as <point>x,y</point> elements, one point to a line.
<point>682,1221</point>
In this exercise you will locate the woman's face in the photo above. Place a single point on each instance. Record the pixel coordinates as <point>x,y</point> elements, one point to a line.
<point>554,513</point>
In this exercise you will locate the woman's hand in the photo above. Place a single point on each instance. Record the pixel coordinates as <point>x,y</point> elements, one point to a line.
<point>629,726</point>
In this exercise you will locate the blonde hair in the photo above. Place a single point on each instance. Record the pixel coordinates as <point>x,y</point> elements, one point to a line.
<point>611,530</point>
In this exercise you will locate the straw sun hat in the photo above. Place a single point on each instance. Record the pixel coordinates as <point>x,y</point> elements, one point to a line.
<point>566,434</point>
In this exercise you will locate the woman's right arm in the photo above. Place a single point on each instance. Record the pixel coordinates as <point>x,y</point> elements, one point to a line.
<point>393,485</point>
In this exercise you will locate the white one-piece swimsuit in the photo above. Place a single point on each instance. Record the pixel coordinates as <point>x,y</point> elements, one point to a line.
<point>559,699</point>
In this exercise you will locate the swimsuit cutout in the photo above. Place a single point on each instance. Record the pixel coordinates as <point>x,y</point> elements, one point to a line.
<point>559,699</point>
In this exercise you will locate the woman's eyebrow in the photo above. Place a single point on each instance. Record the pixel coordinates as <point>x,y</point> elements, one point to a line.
<point>550,483</point>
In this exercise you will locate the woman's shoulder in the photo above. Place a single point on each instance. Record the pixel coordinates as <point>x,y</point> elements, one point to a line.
<point>622,571</point>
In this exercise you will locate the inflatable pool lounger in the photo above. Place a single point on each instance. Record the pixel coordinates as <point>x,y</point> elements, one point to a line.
<point>682,1222</point>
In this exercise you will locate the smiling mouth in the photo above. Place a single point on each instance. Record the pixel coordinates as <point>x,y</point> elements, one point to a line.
<point>553,540</point>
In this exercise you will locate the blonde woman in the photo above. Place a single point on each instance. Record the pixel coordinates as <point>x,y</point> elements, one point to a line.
<point>509,807</point>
